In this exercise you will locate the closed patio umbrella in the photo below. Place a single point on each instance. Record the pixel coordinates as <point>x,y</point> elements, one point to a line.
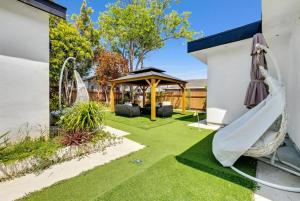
<point>257,90</point>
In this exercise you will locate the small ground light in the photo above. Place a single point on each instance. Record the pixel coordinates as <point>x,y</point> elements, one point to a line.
<point>137,161</point>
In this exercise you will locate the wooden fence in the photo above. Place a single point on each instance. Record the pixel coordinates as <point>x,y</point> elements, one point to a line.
<point>195,98</point>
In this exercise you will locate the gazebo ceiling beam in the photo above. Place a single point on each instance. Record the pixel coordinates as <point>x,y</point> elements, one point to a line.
<point>148,82</point>
<point>156,84</point>
<point>182,86</point>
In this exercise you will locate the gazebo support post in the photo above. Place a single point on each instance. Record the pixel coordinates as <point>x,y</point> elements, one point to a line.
<point>112,98</point>
<point>153,100</point>
<point>183,98</point>
<point>144,88</point>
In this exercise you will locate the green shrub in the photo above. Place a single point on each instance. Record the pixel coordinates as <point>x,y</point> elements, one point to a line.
<point>29,147</point>
<point>82,117</point>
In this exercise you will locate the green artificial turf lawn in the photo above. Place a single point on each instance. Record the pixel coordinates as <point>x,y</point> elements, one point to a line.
<point>177,164</point>
<point>142,122</point>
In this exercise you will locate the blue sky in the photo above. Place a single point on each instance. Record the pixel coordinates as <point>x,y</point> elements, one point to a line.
<point>209,16</point>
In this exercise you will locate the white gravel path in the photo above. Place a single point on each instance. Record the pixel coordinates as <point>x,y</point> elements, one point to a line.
<point>17,188</point>
<point>114,131</point>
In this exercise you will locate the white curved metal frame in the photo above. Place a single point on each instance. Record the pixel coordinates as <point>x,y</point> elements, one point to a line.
<point>61,77</point>
<point>280,187</point>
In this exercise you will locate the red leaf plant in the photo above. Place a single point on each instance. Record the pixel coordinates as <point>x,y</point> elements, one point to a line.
<point>76,138</point>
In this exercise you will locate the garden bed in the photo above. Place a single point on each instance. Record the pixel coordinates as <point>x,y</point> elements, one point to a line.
<point>35,155</point>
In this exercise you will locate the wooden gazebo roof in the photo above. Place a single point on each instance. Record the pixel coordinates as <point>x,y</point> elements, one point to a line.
<point>140,77</point>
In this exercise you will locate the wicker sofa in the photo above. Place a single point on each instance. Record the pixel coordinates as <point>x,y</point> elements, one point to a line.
<point>127,110</point>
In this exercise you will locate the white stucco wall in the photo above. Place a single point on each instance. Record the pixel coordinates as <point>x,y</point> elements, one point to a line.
<point>281,28</point>
<point>24,69</point>
<point>294,85</point>
<point>24,31</point>
<point>228,78</point>
<point>24,99</point>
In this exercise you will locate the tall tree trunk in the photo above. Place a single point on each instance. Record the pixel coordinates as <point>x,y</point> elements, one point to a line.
<point>105,93</point>
<point>71,93</point>
<point>131,56</point>
<point>99,95</point>
<point>140,62</point>
<point>131,59</point>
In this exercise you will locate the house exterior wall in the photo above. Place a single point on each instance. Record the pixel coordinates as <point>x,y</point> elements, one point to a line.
<point>24,31</point>
<point>24,69</point>
<point>91,85</point>
<point>281,28</point>
<point>229,66</point>
<point>294,86</point>
<point>228,78</point>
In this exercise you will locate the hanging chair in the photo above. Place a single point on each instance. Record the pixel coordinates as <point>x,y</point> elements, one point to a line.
<point>273,137</point>
<point>82,93</point>
<point>269,142</point>
<point>259,132</point>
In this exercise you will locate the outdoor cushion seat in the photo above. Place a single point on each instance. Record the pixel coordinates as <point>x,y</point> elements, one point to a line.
<point>161,111</point>
<point>127,110</point>
<point>164,111</point>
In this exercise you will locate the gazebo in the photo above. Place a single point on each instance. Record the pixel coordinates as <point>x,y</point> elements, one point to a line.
<point>144,78</point>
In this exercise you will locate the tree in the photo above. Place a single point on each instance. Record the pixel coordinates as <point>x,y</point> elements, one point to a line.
<point>65,41</point>
<point>83,22</point>
<point>137,27</point>
<point>111,65</point>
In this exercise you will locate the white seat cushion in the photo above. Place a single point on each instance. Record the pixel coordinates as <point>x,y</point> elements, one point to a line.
<point>164,103</point>
<point>268,137</point>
